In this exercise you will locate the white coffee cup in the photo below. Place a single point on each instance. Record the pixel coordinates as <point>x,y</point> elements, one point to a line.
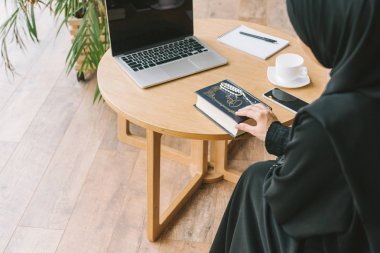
<point>290,67</point>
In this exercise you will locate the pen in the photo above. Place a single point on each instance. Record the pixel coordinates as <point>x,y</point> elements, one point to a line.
<point>259,37</point>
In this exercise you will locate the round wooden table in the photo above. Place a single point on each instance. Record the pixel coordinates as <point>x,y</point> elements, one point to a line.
<point>167,109</point>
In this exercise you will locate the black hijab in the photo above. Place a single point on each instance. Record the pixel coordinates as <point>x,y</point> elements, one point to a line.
<point>344,35</point>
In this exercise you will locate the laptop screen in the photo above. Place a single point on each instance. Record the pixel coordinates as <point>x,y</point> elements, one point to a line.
<point>137,24</point>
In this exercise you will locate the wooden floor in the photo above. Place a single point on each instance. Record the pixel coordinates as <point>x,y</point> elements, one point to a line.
<point>68,186</point>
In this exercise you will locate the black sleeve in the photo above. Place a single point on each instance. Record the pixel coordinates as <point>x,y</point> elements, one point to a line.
<point>307,194</point>
<point>277,138</point>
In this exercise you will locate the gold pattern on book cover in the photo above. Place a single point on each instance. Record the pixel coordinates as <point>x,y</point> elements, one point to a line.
<point>232,101</point>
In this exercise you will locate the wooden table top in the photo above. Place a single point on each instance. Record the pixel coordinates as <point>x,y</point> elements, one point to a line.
<point>168,108</point>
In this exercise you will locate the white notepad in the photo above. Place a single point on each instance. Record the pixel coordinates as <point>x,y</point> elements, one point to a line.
<point>253,46</point>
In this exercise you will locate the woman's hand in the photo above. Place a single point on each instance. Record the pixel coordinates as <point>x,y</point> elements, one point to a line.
<point>263,116</point>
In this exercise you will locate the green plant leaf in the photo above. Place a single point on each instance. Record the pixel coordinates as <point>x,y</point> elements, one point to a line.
<point>89,45</point>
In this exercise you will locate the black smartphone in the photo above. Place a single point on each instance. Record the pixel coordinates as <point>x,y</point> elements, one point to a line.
<point>285,100</point>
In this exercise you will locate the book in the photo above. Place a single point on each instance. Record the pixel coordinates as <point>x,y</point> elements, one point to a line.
<point>220,101</point>
<point>257,47</point>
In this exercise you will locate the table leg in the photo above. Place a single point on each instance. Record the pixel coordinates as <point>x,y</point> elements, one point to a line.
<point>153,177</point>
<point>218,158</point>
<point>124,134</point>
<point>157,222</point>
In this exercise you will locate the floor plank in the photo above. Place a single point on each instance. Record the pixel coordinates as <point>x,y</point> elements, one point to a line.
<point>242,153</point>
<point>25,102</point>
<point>21,60</point>
<point>25,168</point>
<point>110,141</point>
<point>194,224</point>
<point>130,231</point>
<point>55,198</point>
<point>34,240</point>
<point>99,206</point>
<point>170,246</point>
<point>216,9</point>
<point>6,150</point>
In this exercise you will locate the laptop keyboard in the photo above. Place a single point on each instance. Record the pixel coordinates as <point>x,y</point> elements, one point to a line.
<point>163,54</point>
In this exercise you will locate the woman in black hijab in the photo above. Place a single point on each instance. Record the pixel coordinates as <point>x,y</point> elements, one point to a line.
<point>323,192</point>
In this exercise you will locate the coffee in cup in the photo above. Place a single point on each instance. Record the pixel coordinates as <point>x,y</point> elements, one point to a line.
<point>290,67</point>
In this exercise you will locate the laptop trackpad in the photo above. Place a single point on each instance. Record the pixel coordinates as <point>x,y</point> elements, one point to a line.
<point>205,60</point>
<point>177,69</point>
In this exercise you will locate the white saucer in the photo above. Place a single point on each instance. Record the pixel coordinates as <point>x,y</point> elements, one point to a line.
<point>297,83</point>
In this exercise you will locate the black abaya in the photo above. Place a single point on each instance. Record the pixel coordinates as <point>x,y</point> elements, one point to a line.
<point>281,207</point>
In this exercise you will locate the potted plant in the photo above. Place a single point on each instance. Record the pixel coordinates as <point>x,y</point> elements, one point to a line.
<point>87,23</point>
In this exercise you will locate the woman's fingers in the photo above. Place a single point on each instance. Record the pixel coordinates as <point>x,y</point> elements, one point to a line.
<point>248,112</point>
<point>253,111</point>
<point>263,117</point>
<point>262,106</point>
<point>246,128</point>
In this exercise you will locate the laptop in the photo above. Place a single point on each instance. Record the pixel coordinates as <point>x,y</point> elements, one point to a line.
<point>153,40</point>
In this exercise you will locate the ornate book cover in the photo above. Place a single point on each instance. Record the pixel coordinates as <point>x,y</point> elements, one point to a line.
<point>228,98</point>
